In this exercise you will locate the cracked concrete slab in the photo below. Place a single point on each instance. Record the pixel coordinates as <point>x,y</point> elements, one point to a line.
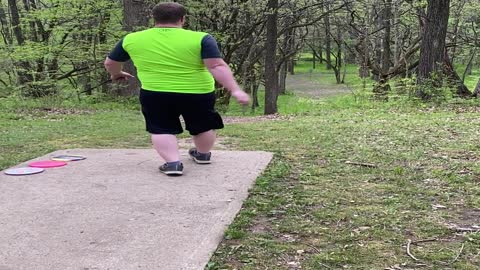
<point>116,211</point>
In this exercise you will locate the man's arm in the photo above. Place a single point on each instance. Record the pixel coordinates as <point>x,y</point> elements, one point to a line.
<point>223,74</point>
<point>114,63</point>
<point>212,59</point>
<point>115,70</point>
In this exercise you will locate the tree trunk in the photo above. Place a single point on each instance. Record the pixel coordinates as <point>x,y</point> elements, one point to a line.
<point>291,66</point>
<point>282,87</point>
<point>456,22</point>
<point>328,39</point>
<point>469,68</point>
<point>271,76</point>
<point>15,17</point>
<point>24,76</point>
<point>432,50</point>
<point>339,42</point>
<point>314,60</point>
<point>454,79</point>
<point>5,31</point>
<point>386,51</point>
<point>476,92</point>
<point>320,49</point>
<point>255,103</point>
<point>398,44</point>
<point>135,14</point>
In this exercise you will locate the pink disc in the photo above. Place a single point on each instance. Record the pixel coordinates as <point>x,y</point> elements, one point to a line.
<point>47,164</point>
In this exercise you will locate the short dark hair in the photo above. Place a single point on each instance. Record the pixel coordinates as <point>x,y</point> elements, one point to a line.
<point>169,12</point>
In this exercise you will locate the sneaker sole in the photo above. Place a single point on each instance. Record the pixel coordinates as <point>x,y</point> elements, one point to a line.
<point>201,161</point>
<point>172,173</point>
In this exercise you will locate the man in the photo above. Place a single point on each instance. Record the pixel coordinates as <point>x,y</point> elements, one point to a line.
<point>177,69</point>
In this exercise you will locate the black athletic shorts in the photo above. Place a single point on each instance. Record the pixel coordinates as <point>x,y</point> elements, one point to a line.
<point>162,111</point>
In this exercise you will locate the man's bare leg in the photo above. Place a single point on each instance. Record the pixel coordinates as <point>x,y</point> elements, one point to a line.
<point>204,141</point>
<point>166,146</point>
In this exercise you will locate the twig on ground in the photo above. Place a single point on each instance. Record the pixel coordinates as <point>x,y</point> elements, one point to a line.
<point>470,230</point>
<point>410,253</point>
<point>424,241</point>
<point>458,255</point>
<point>368,165</point>
<point>314,248</point>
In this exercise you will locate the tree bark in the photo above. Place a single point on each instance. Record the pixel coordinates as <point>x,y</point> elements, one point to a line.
<point>23,66</point>
<point>454,79</point>
<point>15,17</point>
<point>135,14</point>
<point>432,50</point>
<point>271,75</point>
<point>7,37</point>
<point>398,43</point>
<point>282,87</point>
<point>476,92</point>
<point>328,39</point>
<point>456,22</point>
<point>386,50</point>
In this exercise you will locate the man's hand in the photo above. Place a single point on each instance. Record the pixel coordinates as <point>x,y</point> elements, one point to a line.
<point>121,77</point>
<point>241,97</point>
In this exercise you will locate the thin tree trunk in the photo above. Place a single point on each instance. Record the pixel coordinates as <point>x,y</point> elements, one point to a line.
<point>290,45</point>
<point>456,23</point>
<point>476,92</point>
<point>328,39</point>
<point>320,47</point>
<point>24,76</point>
<point>386,52</point>
<point>135,14</point>
<point>469,67</point>
<point>271,76</point>
<point>15,17</point>
<point>339,48</point>
<point>314,60</point>
<point>282,86</point>
<point>7,37</point>
<point>453,78</point>
<point>398,44</point>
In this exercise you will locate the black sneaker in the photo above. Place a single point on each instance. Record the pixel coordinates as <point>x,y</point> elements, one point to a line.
<point>172,169</point>
<point>200,158</point>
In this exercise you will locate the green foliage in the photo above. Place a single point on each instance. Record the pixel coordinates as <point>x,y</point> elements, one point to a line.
<point>67,38</point>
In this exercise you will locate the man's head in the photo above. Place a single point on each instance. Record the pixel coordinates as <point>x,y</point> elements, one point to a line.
<point>169,13</point>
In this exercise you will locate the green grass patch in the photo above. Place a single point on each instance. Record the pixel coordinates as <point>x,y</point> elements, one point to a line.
<point>350,186</point>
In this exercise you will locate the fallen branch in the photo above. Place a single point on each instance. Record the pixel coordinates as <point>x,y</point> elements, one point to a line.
<point>424,241</point>
<point>410,253</point>
<point>368,165</point>
<point>473,229</point>
<point>466,230</point>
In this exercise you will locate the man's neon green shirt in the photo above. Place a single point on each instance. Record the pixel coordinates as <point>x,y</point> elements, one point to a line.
<point>169,60</point>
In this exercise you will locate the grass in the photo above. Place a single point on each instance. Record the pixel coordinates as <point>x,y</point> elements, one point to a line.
<point>33,128</point>
<point>314,210</point>
<point>352,180</point>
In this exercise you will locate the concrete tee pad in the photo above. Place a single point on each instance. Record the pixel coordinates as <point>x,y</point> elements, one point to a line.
<point>116,211</point>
